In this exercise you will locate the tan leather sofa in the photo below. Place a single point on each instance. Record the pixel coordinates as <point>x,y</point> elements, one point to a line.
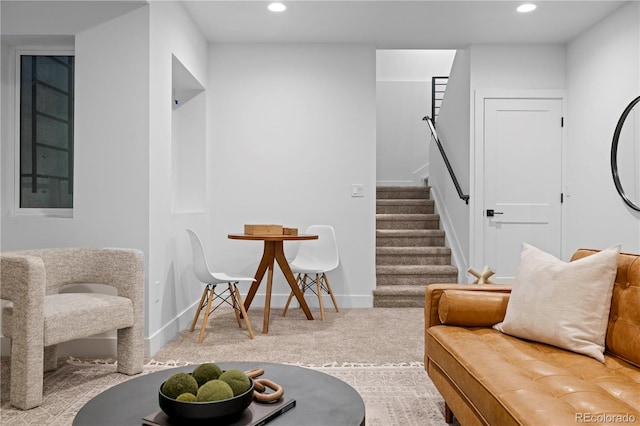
<point>490,378</point>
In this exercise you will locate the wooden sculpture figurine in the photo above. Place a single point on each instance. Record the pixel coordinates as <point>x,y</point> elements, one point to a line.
<point>482,277</point>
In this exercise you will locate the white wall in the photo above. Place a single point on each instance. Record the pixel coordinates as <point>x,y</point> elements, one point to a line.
<point>517,67</point>
<point>603,74</point>
<point>403,93</point>
<point>453,130</point>
<point>480,68</point>
<point>412,65</point>
<point>173,289</point>
<point>291,128</point>
<point>108,209</point>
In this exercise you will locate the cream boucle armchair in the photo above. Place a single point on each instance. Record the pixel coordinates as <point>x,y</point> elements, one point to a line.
<point>38,316</point>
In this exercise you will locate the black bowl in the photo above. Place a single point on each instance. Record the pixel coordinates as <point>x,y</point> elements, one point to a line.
<point>227,409</point>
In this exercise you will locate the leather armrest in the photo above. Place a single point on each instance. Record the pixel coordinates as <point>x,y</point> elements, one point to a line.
<point>472,308</point>
<point>434,292</point>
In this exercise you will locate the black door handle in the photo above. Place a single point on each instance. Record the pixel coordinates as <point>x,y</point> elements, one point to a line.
<point>491,212</point>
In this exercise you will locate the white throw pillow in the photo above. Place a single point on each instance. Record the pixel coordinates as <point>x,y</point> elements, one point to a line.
<point>562,304</point>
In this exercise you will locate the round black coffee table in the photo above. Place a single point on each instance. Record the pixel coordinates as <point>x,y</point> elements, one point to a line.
<point>321,399</point>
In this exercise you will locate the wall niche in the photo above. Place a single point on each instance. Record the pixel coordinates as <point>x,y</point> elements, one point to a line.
<point>188,141</point>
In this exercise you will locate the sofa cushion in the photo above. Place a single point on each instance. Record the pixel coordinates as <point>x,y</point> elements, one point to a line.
<point>472,308</point>
<point>562,304</point>
<point>514,381</point>
<point>623,332</point>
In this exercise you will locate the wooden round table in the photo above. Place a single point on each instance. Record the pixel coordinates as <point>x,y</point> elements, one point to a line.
<point>274,252</point>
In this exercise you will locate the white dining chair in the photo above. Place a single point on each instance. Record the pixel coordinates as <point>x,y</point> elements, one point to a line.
<point>211,280</point>
<point>312,262</point>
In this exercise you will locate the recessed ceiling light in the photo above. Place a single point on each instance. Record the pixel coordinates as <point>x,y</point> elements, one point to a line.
<point>277,7</point>
<point>526,7</point>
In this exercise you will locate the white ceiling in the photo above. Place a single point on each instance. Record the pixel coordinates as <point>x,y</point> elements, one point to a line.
<point>387,24</point>
<point>397,24</point>
<point>53,17</point>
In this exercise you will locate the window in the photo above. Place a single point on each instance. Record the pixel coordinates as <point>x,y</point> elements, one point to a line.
<point>45,130</point>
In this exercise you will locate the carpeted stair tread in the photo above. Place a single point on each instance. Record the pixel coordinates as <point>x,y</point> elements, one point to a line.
<point>412,275</point>
<point>416,269</point>
<point>404,202</point>
<point>392,192</point>
<point>409,237</point>
<point>409,233</point>
<point>399,296</point>
<point>407,221</point>
<point>405,206</point>
<point>401,290</point>
<point>425,251</point>
<point>407,216</point>
<point>413,256</point>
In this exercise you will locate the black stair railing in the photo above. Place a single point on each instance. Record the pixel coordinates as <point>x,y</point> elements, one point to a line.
<point>434,134</point>
<point>438,87</point>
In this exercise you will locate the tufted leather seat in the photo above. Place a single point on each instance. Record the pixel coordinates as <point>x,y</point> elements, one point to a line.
<point>489,378</point>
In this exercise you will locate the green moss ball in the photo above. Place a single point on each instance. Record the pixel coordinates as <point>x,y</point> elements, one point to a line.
<point>205,372</point>
<point>187,397</point>
<point>214,390</point>
<point>179,383</point>
<point>237,380</point>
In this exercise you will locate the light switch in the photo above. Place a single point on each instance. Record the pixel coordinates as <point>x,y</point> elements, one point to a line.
<point>357,190</point>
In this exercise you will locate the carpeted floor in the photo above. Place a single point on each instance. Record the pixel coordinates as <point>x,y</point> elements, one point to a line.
<point>362,335</point>
<point>377,351</point>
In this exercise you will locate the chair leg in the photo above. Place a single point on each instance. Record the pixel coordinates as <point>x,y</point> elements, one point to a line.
<point>211,289</point>
<point>131,349</point>
<point>286,306</point>
<point>242,309</point>
<point>234,303</point>
<point>27,361</point>
<point>333,299</point>
<point>50,358</point>
<point>319,285</point>
<point>200,306</point>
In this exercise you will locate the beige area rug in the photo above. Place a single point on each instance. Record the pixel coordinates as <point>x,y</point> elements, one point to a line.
<point>399,395</point>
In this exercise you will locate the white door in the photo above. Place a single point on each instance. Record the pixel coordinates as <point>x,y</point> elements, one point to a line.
<point>522,180</point>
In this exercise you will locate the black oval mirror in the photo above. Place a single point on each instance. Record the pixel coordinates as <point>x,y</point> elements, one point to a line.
<point>626,139</point>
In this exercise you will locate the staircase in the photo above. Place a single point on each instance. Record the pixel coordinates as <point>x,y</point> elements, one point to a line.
<point>410,251</point>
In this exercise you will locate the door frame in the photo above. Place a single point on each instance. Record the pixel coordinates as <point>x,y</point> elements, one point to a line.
<point>476,201</point>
